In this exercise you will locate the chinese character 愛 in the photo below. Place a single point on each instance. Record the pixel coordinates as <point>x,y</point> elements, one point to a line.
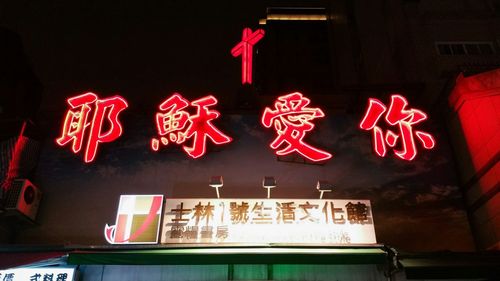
<point>291,118</point>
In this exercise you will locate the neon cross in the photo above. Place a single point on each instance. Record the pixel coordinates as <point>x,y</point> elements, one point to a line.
<point>245,49</point>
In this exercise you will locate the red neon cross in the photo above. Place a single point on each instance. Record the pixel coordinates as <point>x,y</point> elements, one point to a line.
<point>245,49</point>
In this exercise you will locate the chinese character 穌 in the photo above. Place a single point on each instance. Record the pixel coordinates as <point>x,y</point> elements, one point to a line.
<point>176,125</point>
<point>245,49</point>
<point>78,123</point>
<point>291,119</point>
<point>399,116</point>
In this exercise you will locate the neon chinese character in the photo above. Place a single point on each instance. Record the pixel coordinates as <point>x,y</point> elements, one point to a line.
<point>245,49</point>
<point>397,115</point>
<point>291,119</point>
<point>176,125</point>
<point>77,122</point>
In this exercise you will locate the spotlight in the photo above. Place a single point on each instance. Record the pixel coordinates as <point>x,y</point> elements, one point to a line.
<point>322,187</point>
<point>268,182</point>
<point>216,182</point>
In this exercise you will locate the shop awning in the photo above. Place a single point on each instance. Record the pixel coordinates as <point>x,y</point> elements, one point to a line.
<point>452,265</point>
<point>230,255</point>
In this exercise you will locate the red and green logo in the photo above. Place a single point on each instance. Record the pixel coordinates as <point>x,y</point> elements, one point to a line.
<point>137,220</point>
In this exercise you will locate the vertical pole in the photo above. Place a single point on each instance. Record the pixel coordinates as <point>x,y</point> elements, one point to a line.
<point>269,272</point>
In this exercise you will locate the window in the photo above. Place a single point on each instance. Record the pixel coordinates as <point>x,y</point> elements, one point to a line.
<point>464,48</point>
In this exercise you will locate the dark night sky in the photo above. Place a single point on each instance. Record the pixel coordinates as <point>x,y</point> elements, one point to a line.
<point>138,50</point>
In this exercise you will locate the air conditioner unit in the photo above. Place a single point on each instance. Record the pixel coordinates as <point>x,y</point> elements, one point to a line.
<point>23,198</point>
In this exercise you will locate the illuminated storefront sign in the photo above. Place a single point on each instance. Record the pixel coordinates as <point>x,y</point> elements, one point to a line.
<point>291,119</point>
<point>78,123</point>
<point>401,117</point>
<point>137,220</point>
<point>245,49</point>
<point>176,125</point>
<point>38,274</point>
<point>268,221</point>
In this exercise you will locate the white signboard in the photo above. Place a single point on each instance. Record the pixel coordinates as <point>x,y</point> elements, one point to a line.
<point>38,274</point>
<point>268,221</point>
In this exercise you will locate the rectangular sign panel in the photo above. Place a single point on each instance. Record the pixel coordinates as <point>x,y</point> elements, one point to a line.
<point>38,274</point>
<point>268,221</point>
<point>137,220</point>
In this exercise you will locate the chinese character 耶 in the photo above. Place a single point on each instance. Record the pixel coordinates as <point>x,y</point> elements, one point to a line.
<point>397,115</point>
<point>291,118</point>
<point>176,125</point>
<point>78,123</point>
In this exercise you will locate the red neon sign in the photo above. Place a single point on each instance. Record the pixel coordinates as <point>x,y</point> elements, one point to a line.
<point>291,119</point>
<point>176,125</point>
<point>245,49</point>
<point>77,122</point>
<point>397,115</point>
